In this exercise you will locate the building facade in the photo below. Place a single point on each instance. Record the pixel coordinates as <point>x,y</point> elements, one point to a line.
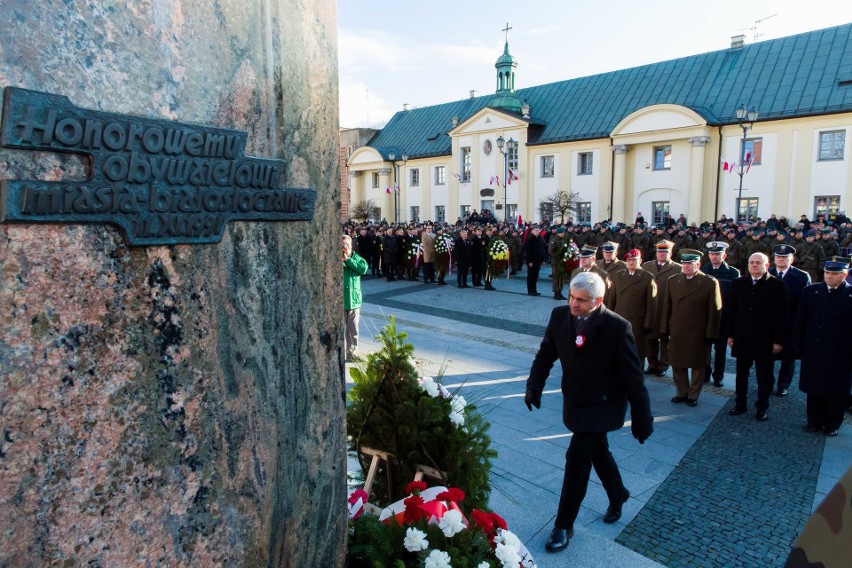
<point>661,138</point>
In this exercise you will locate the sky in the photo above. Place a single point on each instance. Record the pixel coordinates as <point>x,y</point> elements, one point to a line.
<point>428,52</point>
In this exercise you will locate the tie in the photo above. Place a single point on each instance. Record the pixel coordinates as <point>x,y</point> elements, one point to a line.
<point>754,281</point>
<point>781,275</point>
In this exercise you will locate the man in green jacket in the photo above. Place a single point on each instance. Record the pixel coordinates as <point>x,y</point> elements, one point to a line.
<point>353,268</point>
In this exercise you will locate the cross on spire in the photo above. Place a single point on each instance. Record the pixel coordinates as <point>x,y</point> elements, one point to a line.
<point>506,29</point>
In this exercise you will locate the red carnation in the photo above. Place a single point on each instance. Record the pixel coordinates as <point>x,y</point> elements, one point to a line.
<point>498,520</point>
<point>451,494</point>
<point>415,486</point>
<point>413,512</point>
<point>483,520</point>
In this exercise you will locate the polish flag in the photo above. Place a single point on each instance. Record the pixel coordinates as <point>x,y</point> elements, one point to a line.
<point>520,220</point>
<point>512,175</point>
<point>387,189</point>
<point>396,187</point>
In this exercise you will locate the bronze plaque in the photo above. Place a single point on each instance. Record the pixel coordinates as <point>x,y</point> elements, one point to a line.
<point>161,182</point>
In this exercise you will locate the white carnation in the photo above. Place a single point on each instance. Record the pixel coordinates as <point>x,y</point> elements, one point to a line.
<point>457,418</point>
<point>440,559</point>
<point>451,523</point>
<point>458,403</point>
<point>507,555</point>
<point>483,565</point>
<point>415,540</point>
<point>508,538</point>
<point>429,385</point>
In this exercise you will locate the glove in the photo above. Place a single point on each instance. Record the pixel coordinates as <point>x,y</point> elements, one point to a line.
<point>641,431</point>
<point>532,399</point>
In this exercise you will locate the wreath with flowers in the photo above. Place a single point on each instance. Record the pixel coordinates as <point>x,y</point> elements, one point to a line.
<point>497,256</point>
<point>413,250</point>
<point>430,528</point>
<point>443,253</point>
<point>570,256</point>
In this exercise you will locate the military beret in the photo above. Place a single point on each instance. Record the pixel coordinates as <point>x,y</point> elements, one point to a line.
<point>633,253</point>
<point>588,251</point>
<point>609,246</point>
<point>690,255</point>
<point>717,246</point>
<point>783,250</point>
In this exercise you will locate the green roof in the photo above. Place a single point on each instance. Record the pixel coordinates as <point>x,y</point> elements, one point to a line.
<point>802,75</point>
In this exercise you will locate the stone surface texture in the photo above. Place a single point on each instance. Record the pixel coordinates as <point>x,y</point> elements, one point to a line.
<point>183,405</point>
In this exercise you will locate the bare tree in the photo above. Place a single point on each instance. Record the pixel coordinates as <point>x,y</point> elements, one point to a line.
<point>562,203</point>
<point>363,210</point>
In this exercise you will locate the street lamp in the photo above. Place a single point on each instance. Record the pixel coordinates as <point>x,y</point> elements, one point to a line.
<point>745,120</point>
<point>511,146</point>
<point>396,184</point>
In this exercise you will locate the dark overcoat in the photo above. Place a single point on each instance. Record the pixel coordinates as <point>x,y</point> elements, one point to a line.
<point>661,276</point>
<point>599,378</point>
<point>822,335</point>
<point>461,253</point>
<point>796,280</point>
<point>692,310</point>
<point>758,317</point>
<point>635,299</point>
<point>725,275</point>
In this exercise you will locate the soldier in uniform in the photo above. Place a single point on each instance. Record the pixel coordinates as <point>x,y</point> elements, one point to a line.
<point>755,244</point>
<point>478,245</point>
<point>681,240</point>
<point>734,251</point>
<point>634,297</point>
<point>692,309</point>
<point>830,247</point>
<point>823,335</point>
<point>610,263</point>
<point>587,264</point>
<point>811,256</point>
<point>724,274</point>
<point>375,252</point>
<point>624,240</point>
<point>796,280</point>
<point>516,249</point>
<point>662,268</point>
<point>557,268</point>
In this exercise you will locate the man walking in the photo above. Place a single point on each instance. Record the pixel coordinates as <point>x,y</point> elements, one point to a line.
<point>692,309</point>
<point>758,330</point>
<point>600,374</point>
<point>823,335</point>
<point>354,267</point>
<point>796,280</point>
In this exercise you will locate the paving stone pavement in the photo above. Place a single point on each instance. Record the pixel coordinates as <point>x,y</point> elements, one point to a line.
<point>707,489</point>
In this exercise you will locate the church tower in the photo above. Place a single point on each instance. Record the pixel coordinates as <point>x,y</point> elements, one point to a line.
<point>506,65</point>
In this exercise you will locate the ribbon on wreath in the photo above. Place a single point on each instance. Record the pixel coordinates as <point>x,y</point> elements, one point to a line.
<point>356,503</point>
<point>433,509</point>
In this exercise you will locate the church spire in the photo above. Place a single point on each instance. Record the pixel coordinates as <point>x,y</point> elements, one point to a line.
<point>506,65</point>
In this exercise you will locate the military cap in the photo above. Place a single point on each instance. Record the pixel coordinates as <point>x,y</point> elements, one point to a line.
<point>633,253</point>
<point>621,226</point>
<point>826,231</point>
<point>660,227</point>
<point>783,250</point>
<point>609,246</point>
<point>811,233</point>
<point>836,264</point>
<point>588,250</point>
<point>560,230</point>
<point>664,245</point>
<point>717,246</point>
<point>690,255</point>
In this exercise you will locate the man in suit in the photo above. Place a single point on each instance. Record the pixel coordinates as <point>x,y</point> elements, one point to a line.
<point>662,268</point>
<point>692,309</point>
<point>600,374</point>
<point>725,274</point>
<point>823,335</point>
<point>634,297</point>
<point>758,329</point>
<point>796,280</point>
<point>461,255</point>
<point>534,256</point>
<point>478,245</point>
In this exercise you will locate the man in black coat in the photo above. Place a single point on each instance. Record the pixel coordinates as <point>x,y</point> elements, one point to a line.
<point>478,246</point>
<point>822,335</point>
<point>534,256</point>
<point>757,330</point>
<point>796,280</point>
<point>390,250</point>
<point>601,372</point>
<point>461,256</point>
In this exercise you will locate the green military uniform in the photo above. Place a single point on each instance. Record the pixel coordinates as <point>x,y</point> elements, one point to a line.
<point>634,297</point>
<point>658,351</point>
<point>557,268</point>
<point>810,257</point>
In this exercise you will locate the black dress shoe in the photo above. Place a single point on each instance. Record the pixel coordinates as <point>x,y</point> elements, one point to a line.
<point>811,428</point>
<point>533,293</point>
<point>678,399</point>
<point>761,416</point>
<point>781,392</point>
<point>650,371</point>
<point>717,383</point>
<point>736,411</point>
<point>558,539</point>
<point>692,403</point>
<point>660,373</point>
<point>831,433</point>
<point>613,512</point>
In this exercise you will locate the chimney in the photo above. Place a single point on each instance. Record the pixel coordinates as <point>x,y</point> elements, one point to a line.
<point>473,93</point>
<point>455,120</point>
<point>405,107</point>
<point>737,41</point>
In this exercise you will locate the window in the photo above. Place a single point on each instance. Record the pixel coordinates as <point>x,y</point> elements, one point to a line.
<point>464,211</point>
<point>415,213</point>
<point>584,211</point>
<point>662,157</point>
<point>440,175</point>
<point>659,210</point>
<point>547,166</point>
<point>828,205</point>
<point>746,209</point>
<point>753,151</point>
<point>513,159</point>
<point>831,145</point>
<point>465,164</point>
<point>584,164</point>
<point>375,179</point>
<point>440,213</point>
<point>414,177</point>
<point>545,209</point>
<point>486,204</point>
<point>512,209</point>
